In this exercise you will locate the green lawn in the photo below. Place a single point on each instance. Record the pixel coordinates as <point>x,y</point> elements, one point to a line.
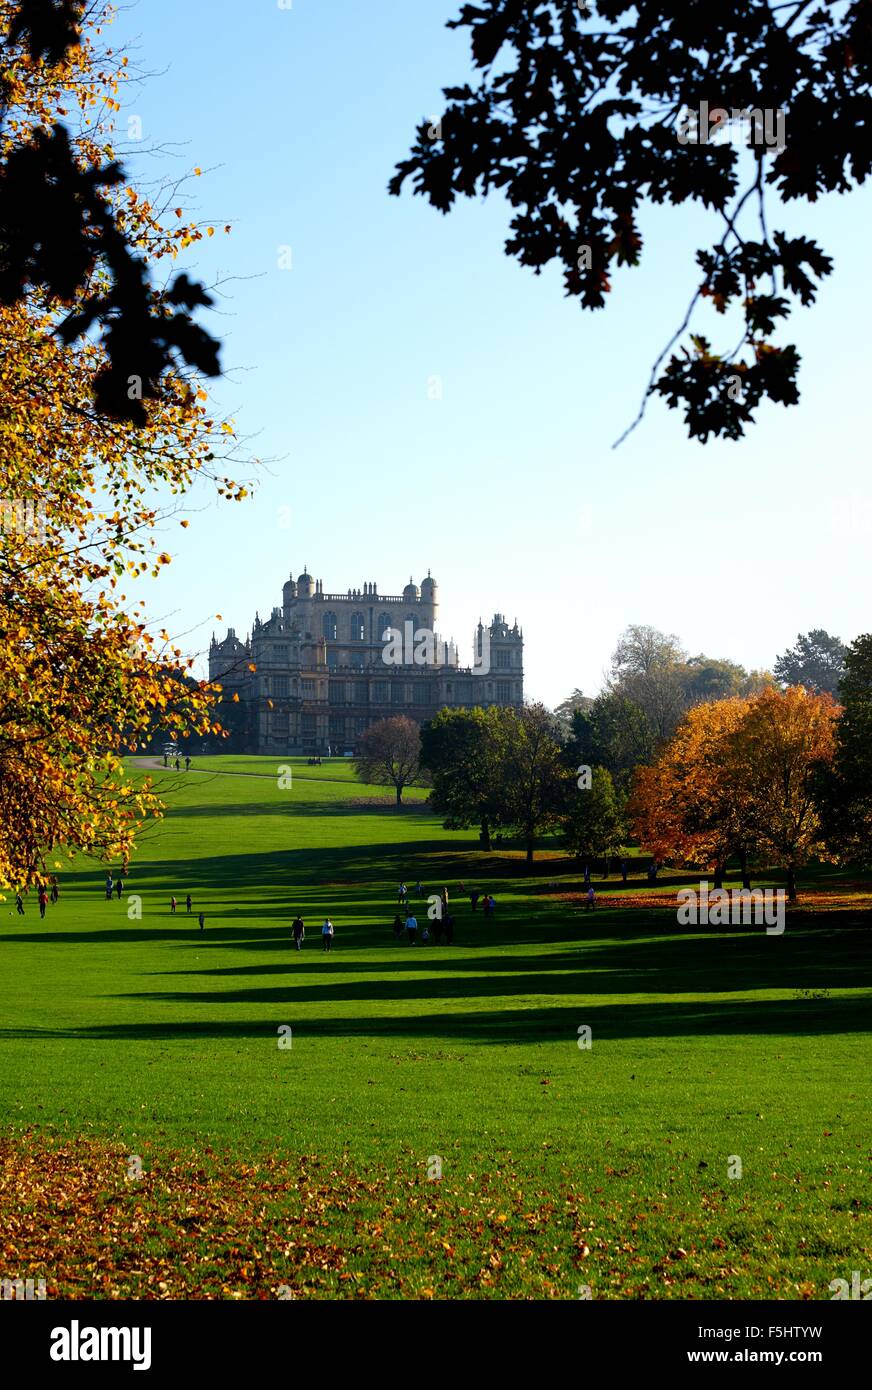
<point>306,1166</point>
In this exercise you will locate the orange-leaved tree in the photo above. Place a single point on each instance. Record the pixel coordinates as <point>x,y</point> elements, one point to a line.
<point>785,739</point>
<point>693,804</point>
<point>738,778</point>
<point>83,679</point>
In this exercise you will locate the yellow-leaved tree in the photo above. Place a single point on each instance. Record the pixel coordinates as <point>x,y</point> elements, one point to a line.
<point>83,679</point>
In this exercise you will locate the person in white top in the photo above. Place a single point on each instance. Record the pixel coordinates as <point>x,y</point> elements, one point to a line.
<point>327,935</point>
<point>412,929</point>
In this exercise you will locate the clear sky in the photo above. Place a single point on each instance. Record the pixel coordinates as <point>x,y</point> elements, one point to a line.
<point>507,487</point>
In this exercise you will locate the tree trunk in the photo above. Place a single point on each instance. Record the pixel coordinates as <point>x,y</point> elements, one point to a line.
<point>485,834</point>
<point>529,852</point>
<point>719,875</point>
<point>791,883</point>
<point>746,877</point>
<point>605,866</point>
<point>399,795</point>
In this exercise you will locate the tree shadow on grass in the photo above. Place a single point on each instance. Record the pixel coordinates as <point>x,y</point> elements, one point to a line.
<point>507,1027</point>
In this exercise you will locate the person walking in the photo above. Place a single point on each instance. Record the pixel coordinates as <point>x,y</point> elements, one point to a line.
<point>299,930</point>
<point>402,894</point>
<point>43,901</point>
<point>166,764</point>
<point>327,935</point>
<point>473,898</point>
<point>19,905</point>
<point>411,929</point>
<point>119,884</point>
<point>172,904</point>
<point>398,927</point>
<point>189,903</point>
<point>624,870</point>
<point>590,904</point>
<point>178,766</point>
<point>55,891</point>
<point>419,889</point>
<point>443,898</point>
<point>187,763</point>
<point>202,920</point>
<point>485,904</point>
<point>108,887</point>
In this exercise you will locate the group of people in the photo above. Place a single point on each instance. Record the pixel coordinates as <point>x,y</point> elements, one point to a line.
<point>177,765</point>
<point>189,903</point>
<point>44,897</point>
<point>298,931</point>
<point>114,886</point>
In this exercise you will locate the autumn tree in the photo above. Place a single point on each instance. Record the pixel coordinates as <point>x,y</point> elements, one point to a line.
<point>389,754</point>
<point>693,804</point>
<point>739,777</point>
<point>785,738</point>
<point>462,751</point>
<point>83,677</point>
<point>582,115</point>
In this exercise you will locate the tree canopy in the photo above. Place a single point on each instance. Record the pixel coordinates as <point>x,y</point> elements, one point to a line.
<point>582,114</point>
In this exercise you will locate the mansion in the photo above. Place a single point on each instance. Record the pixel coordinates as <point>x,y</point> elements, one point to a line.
<point>327,665</point>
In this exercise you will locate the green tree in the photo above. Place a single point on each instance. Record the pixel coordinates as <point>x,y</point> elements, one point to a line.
<point>461,750</point>
<point>817,662</point>
<point>616,734</point>
<point>592,822</point>
<point>532,776</point>
<point>845,789</point>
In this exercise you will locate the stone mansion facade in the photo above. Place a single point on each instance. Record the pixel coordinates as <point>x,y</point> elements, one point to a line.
<point>327,665</point>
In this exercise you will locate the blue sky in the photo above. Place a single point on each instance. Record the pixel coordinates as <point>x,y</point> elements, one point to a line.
<point>507,487</point>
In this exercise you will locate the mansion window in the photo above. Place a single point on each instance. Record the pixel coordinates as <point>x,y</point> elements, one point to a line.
<point>332,659</point>
<point>504,658</point>
<point>357,627</point>
<point>280,653</point>
<point>421,693</point>
<point>336,693</point>
<point>281,687</point>
<point>308,689</point>
<point>330,627</point>
<point>398,693</point>
<point>359,726</point>
<point>504,692</point>
<point>380,692</point>
<point>337,726</point>
<point>308,724</point>
<point>385,621</point>
<point>360,693</point>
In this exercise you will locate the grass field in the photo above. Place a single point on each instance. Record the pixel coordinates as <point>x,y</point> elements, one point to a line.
<point>138,1044</point>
